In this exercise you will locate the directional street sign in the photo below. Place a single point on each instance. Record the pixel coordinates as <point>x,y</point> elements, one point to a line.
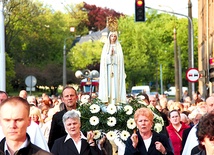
<point>192,75</point>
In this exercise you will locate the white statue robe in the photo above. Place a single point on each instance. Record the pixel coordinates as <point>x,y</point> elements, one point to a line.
<point>112,87</point>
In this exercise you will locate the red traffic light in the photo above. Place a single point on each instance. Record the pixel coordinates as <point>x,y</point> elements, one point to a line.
<point>211,61</point>
<point>140,11</point>
<point>139,3</point>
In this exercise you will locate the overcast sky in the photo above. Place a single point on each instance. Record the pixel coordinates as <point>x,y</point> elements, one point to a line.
<point>127,6</point>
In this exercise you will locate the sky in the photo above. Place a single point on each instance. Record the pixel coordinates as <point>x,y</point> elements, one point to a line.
<point>127,6</point>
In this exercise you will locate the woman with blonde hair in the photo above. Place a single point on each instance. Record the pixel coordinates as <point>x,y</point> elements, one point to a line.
<point>35,115</point>
<point>176,106</point>
<point>146,140</point>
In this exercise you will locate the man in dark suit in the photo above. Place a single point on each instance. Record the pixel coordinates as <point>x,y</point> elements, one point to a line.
<point>69,98</point>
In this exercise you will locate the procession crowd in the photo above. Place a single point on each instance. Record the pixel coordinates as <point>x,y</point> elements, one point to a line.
<point>55,125</point>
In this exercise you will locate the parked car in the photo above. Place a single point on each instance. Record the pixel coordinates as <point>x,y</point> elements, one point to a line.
<point>140,89</point>
<point>172,91</point>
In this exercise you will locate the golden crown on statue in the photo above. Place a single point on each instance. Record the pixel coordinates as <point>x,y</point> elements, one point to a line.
<point>112,24</point>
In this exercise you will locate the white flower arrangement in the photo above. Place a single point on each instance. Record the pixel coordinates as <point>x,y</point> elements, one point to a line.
<point>113,120</point>
<point>94,120</point>
<point>131,123</point>
<point>111,135</point>
<point>128,109</point>
<point>124,135</point>
<point>94,108</point>
<point>111,109</point>
<point>158,127</point>
<point>97,134</point>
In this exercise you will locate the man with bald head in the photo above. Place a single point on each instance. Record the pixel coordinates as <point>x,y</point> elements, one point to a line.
<point>210,103</point>
<point>23,94</point>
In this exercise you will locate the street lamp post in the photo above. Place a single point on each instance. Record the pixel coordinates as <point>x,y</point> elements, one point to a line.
<point>64,76</point>
<point>192,34</point>
<point>2,49</point>
<point>64,62</point>
<point>177,65</point>
<point>190,91</point>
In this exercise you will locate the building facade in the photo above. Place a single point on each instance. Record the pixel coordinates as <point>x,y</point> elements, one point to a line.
<point>205,45</point>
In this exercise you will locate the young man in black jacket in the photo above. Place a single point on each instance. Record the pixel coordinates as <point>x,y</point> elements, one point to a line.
<point>14,118</point>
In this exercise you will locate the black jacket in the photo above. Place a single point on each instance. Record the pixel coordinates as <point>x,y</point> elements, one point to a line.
<point>57,128</point>
<point>203,152</point>
<point>196,150</point>
<point>184,137</point>
<point>61,147</point>
<point>141,148</point>
<point>31,149</point>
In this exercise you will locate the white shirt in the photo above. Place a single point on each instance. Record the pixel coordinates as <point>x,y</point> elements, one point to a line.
<point>79,143</point>
<point>191,141</point>
<point>147,143</point>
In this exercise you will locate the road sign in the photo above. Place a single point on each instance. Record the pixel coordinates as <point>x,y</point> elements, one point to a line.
<point>30,81</point>
<point>30,88</point>
<point>192,75</point>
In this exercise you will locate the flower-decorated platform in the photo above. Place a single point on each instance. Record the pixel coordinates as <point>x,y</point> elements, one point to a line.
<point>114,121</point>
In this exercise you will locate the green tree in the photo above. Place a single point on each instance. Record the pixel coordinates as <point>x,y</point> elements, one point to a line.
<point>10,73</point>
<point>35,37</point>
<point>140,47</point>
<point>83,55</point>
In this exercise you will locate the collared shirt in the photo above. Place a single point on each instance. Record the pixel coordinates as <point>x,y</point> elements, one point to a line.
<point>7,151</point>
<point>79,143</point>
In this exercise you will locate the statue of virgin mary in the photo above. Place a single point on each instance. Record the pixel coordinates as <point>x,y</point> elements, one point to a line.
<point>112,88</point>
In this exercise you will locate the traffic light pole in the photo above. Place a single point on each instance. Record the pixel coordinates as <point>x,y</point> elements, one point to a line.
<point>192,34</point>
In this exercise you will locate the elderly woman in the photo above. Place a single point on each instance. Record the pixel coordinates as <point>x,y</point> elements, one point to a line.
<point>35,115</point>
<point>205,134</point>
<point>175,130</point>
<point>145,140</point>
<point>74,142</point>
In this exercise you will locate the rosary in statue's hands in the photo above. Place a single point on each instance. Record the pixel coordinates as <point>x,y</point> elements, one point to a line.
<point>112,51</point>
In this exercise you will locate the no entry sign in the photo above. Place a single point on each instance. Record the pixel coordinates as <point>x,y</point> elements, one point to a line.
<point>192,75</point>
